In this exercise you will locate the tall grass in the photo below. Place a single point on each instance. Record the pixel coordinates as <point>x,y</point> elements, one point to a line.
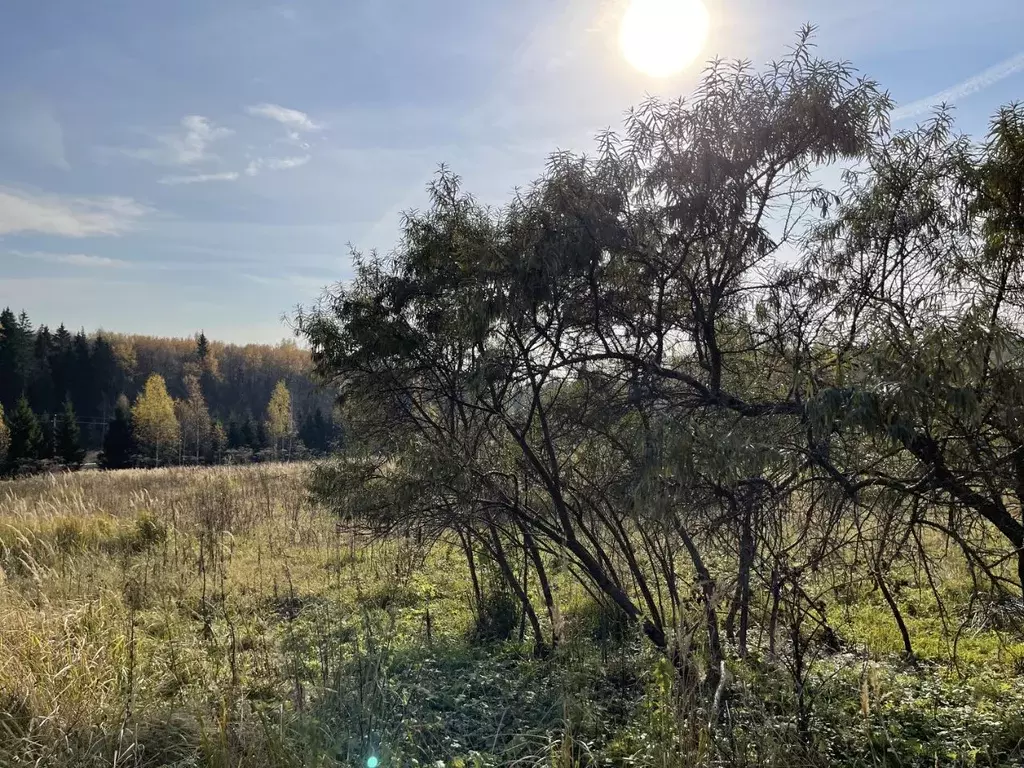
<point>215,617</point>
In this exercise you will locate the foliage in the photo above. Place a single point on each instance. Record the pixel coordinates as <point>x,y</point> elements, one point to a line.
<point>25,437</point>
<point>154,424</point>
<point>118,443</point>
<point>279,414</point>
<point>5,438</point>
<point>94,370</point>
<point>194,419</point>
<point>68,439</point>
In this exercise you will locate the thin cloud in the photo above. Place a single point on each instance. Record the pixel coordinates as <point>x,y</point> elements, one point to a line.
<point>979,82</point>
<point>188,147</point>
<point>72,259</point>
<point>199,178</point>
<point>276,164</point>
<point>292,118</point>
<point>24,212</point>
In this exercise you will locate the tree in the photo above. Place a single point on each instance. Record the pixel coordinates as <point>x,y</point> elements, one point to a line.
<point>118,444</point>
<point>62,365</point>
<point>279,415</point>
<point>194,418</point>
<point>154,425</point>
<point>925,256</point>
<point>25,437</point>
<point>235,437</point>
<point>48,436</point>
<point>217,443</point>
<point>610,341</point>
<point>16,352</point>
<point>84,386</point>
<point>317,432</point>
<point>69,438</point>
<point>40,388</point>
<point>202,346</point>
<point>5,438</point>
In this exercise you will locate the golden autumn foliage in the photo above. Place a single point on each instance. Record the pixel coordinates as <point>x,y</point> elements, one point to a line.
<point>153,421</point>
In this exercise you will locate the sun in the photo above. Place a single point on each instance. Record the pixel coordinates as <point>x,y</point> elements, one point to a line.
<point>663,37</point>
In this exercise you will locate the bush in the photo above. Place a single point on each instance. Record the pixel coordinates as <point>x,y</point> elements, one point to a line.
<point>499,613</point>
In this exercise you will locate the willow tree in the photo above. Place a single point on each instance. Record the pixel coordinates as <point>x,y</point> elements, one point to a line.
<point>922,268</point>
<point>565,375</point>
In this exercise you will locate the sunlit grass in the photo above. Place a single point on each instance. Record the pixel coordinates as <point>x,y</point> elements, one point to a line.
<point>216,617</point>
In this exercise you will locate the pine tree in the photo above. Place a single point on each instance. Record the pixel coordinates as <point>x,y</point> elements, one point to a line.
<point>118,445</point>
<point>25,437</point>
<point>69,438</point>
<point>154,425</point>
<point>279,415</point>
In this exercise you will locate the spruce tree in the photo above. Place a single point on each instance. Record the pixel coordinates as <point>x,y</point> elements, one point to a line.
<point>48,437</point>
<point>26,437</point>
<point>5,438</point>
<point>118,446</point>
<point>69,437</point>
<point>202,346</point>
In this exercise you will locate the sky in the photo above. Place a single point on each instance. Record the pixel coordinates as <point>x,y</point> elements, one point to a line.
<point>167,167</point>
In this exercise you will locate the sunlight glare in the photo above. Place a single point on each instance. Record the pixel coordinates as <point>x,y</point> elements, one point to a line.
<point>663,37</point>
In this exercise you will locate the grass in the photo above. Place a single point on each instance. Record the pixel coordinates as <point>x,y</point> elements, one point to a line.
<point>215,617</point>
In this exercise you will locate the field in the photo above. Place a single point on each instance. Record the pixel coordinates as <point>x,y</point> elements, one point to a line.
<point>216,617</point>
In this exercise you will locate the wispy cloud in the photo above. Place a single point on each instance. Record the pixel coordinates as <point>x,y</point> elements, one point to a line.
<point>276,164</point>
<point>972,85</point>
<point>188,146</point>
<point>72,259</point>
<point>24,212</point>
<point>292,118</point>
<point>199,178</point>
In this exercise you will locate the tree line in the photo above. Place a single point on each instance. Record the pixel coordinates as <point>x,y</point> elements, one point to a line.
<point>696,376</point>
<point>140,400</point>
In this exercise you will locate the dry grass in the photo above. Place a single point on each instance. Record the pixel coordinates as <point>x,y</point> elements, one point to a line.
<point>215,617</point>
<point>149,617</point>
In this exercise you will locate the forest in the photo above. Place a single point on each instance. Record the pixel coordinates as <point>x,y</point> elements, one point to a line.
<point>67,396</point>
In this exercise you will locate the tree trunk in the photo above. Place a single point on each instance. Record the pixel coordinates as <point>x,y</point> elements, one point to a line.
<point>707,586</point>
<point>467,547</point>
<point>895,609</point>
<point>545,586</point>
<point>540,647</point>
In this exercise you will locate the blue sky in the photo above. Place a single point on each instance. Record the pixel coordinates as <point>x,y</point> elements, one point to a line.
<point>171,166</point>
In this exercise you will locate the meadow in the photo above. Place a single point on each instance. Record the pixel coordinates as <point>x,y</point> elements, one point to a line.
<point>218,617</point>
